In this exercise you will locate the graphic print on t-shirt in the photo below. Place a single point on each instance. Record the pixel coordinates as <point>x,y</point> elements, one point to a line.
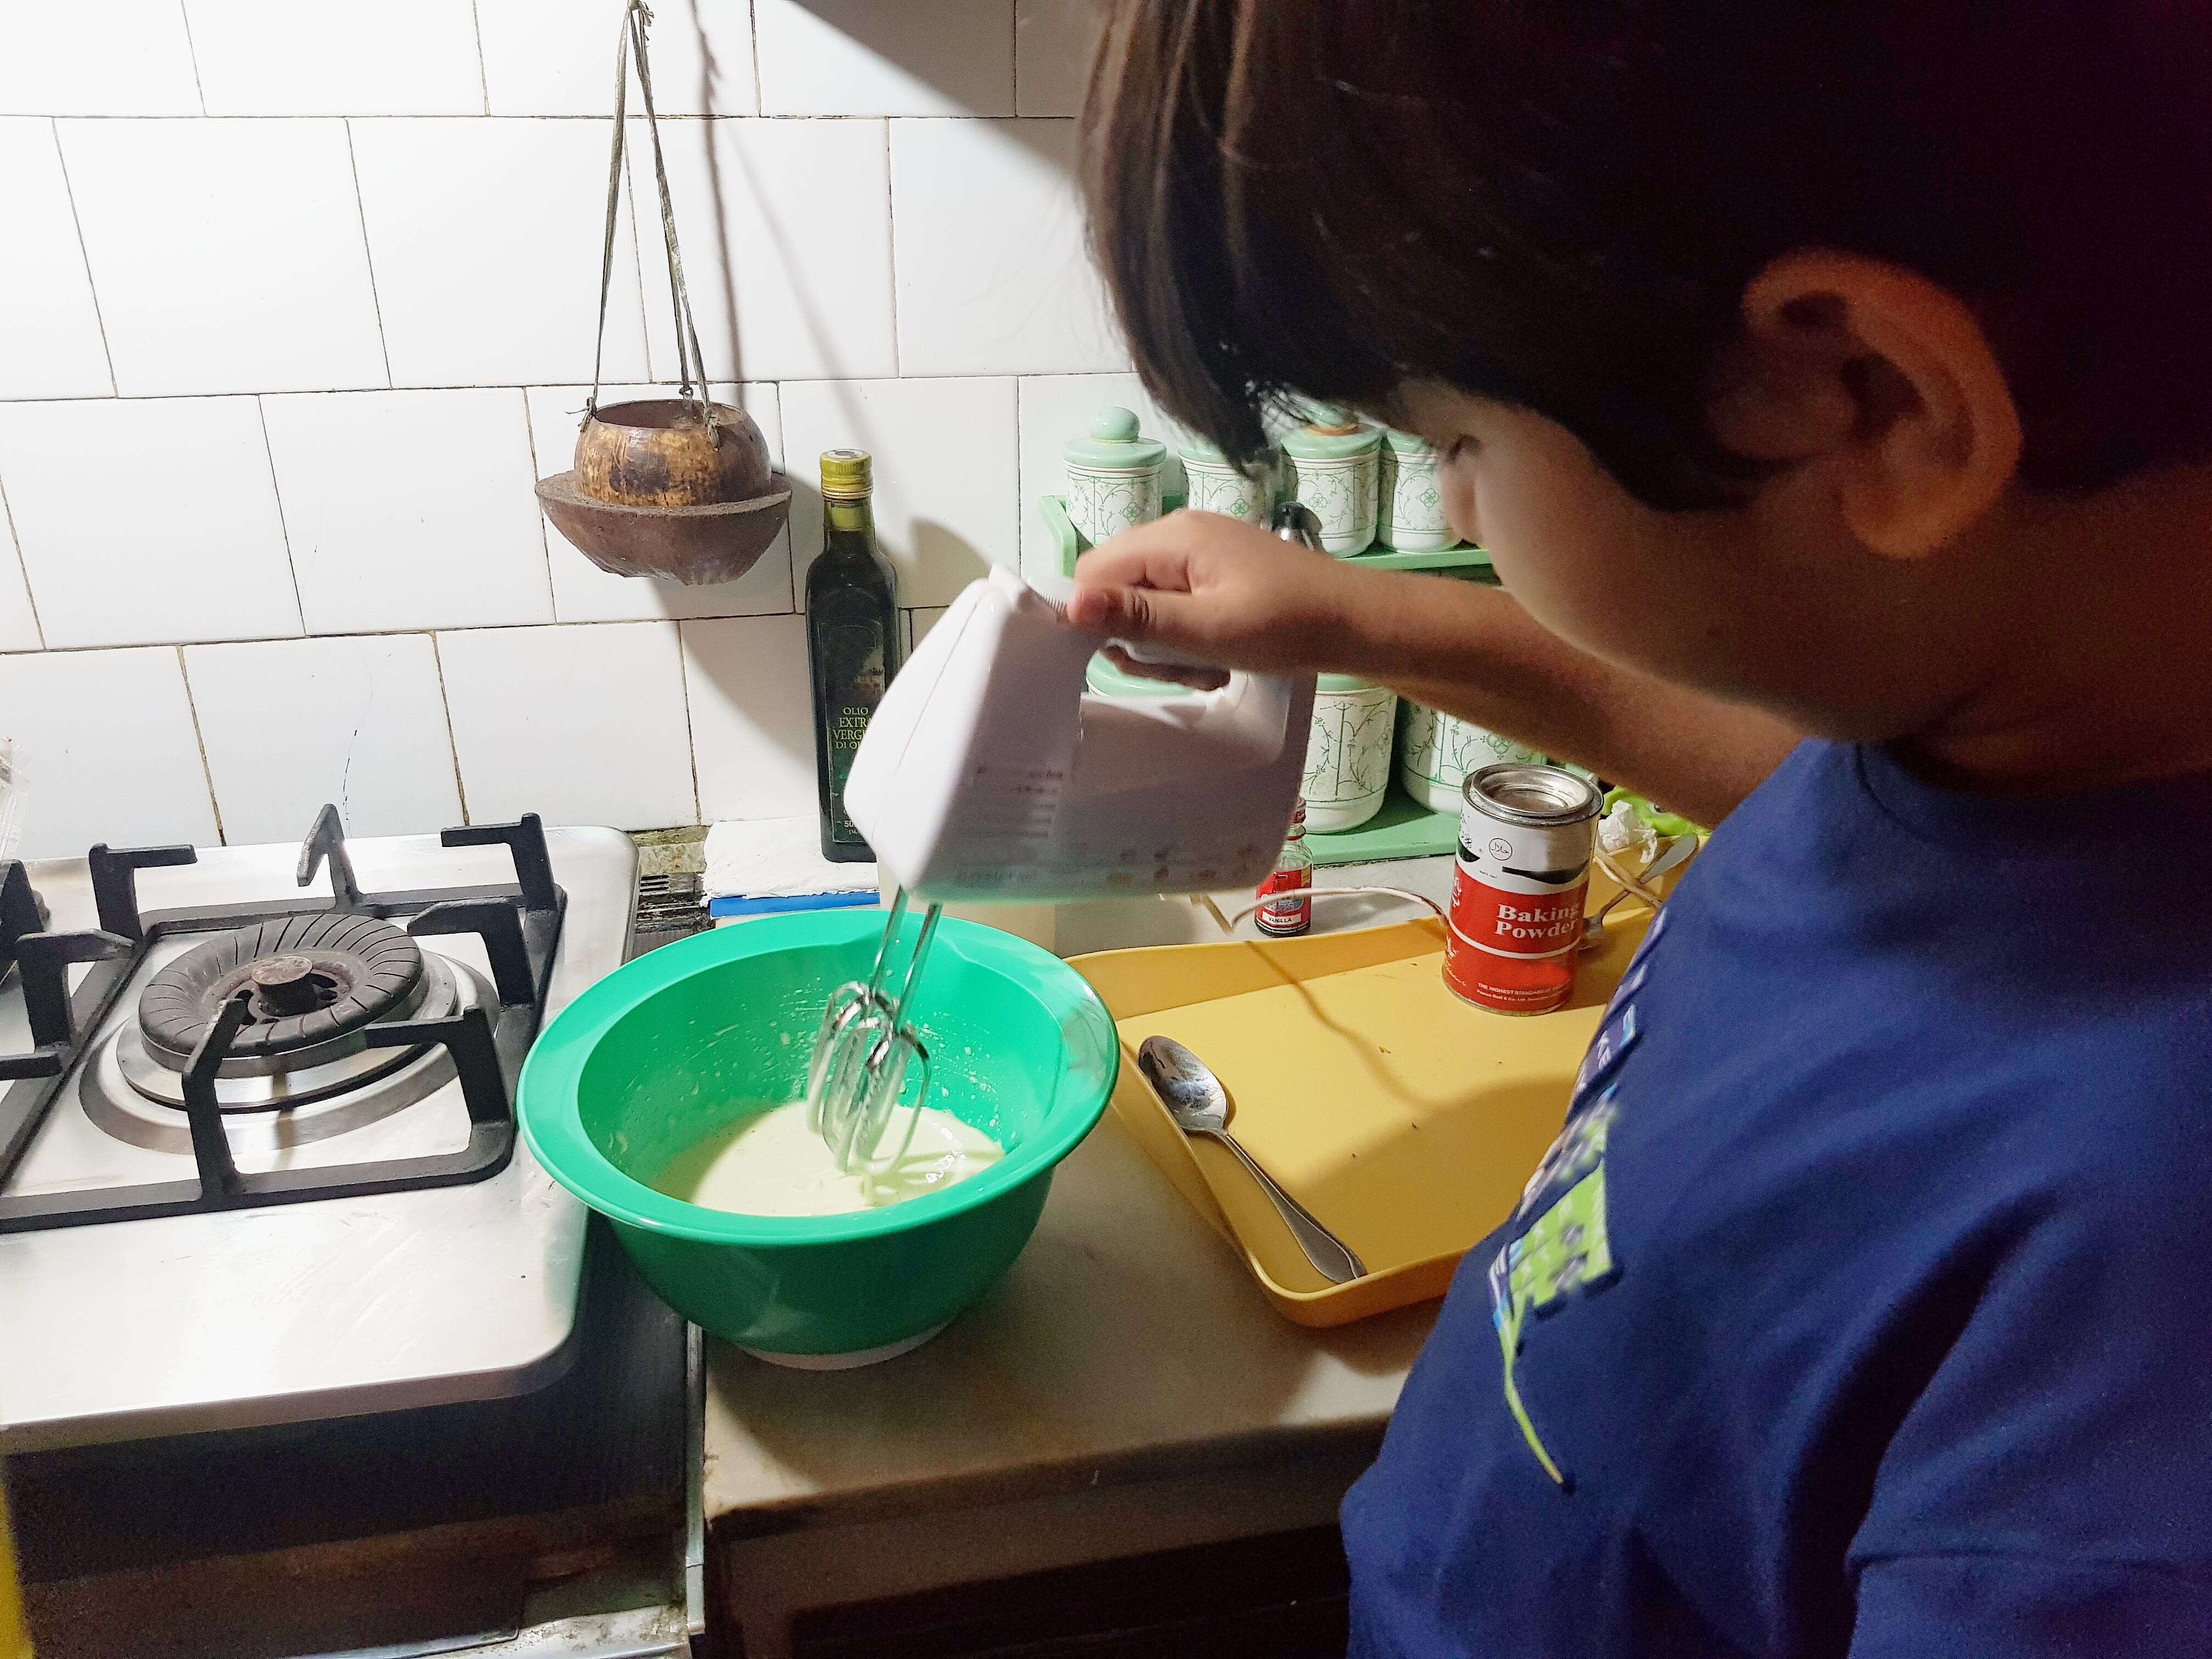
<point>1563,1252</point>
<point>1561,1247</point>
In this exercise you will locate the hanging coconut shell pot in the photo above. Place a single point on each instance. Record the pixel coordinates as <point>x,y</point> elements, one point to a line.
<point>670,487</point>
<point>680,487</point>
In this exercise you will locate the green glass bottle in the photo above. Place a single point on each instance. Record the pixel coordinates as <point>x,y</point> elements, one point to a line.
<point>852,640</point>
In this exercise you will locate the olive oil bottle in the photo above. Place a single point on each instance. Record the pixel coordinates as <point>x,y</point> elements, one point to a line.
<point>852,640</point>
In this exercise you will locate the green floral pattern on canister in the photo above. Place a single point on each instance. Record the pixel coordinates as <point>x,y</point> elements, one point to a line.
<point>1218,485</point>
<point>1410,492</point>
<point>1347,753</point>
<point>1437,751</point>
<point>1113,477</point>
<point>1335,472</point>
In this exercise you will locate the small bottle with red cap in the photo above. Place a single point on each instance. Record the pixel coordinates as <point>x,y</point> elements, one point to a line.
<point>1287,896</point>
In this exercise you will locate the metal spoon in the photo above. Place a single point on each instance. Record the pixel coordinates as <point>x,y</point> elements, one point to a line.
<point>1673,853</point>
<point>1199,1105</point>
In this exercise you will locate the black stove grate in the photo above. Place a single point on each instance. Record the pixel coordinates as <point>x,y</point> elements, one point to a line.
<point>519,926</point>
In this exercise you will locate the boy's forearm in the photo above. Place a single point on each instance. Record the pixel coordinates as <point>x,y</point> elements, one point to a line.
<point>1473,652</point>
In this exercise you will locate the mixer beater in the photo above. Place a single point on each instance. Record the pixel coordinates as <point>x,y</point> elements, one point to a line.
<point>866,1047</point>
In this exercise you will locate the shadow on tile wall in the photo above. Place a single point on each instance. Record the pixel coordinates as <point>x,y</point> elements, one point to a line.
<point>322,280</point>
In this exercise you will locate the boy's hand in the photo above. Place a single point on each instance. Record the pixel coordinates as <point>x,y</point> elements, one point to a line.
<point>1215,589</point>
<point>1220,591</point>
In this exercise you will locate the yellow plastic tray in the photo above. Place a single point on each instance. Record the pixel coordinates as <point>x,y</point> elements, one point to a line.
<point>1405,1120</point>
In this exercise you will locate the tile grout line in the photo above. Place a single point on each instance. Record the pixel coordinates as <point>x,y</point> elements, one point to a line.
<point>207,771</point>
<point>544,539</point>
<point>484,80</point>
<point>15,546</point>
<point>691,732</point>
<point>471,115</point>
<point>445,708</point>
<point>752,40</point>
<point>368,255</point>
<point>783,465</point>
<point>184,15</point>
<point>77,221</point>
<point>393,633</point>
<point>576,386</point>
<point>283,526</point>
<point>891,248</point>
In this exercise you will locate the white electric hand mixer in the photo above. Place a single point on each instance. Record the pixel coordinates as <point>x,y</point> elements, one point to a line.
<point>988,773</point>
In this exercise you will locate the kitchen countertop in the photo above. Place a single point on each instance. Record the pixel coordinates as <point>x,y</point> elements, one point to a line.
<point>1127,1388</point>
<point>1126,1343</point>
<point>1128,1339</point>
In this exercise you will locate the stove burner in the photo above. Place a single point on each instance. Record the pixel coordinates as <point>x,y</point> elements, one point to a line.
<point>345,1064</point>
<point>312,981</point>
<point>129,1092</point>
<point>257,1010</point>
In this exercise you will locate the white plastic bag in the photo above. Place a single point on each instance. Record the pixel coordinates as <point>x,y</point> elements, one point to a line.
<point>1622,831</point>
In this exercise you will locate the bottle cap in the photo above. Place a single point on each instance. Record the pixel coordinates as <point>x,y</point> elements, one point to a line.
<point>847,475</point>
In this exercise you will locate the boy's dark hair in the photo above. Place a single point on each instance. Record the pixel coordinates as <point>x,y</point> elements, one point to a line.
<point>1558,204</point>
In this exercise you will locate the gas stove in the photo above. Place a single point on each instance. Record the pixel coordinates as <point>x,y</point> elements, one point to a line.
<point>258,1152</point>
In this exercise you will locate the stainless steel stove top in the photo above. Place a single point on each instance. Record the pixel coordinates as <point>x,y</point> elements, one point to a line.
<point>301,1310</point>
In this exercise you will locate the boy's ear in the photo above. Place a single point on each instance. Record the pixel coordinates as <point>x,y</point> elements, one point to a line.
<point>1884,376</point>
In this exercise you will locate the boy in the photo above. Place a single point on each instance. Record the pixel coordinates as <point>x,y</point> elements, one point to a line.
<point>1834,382</point>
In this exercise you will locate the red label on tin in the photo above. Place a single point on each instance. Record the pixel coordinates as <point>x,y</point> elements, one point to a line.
<point>1517,924</point>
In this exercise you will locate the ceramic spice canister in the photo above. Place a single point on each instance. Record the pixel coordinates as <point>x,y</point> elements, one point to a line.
<point>1410,495</point>
<point>1335,472</point>
<point>1347,752</point>
<point>1435,752</point>
<point>1217,484</point>
<point>1113,477</point>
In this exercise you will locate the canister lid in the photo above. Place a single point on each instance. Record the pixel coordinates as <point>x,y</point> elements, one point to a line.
<point>1114,445</point>
<point>1330,434</point>
<point>1407,443</point>
<point>1517,792</point>
<point>1192,448</point>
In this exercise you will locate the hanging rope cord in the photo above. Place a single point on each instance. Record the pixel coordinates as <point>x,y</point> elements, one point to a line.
<point>690,366</point>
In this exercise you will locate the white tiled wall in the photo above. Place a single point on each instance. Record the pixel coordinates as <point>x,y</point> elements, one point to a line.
<point>297,299</point>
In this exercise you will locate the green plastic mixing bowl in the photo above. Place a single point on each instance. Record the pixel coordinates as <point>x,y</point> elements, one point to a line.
<point>680,1043</point>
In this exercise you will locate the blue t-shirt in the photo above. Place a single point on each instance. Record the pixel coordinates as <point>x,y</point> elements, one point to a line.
<point>1865,1306</point>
